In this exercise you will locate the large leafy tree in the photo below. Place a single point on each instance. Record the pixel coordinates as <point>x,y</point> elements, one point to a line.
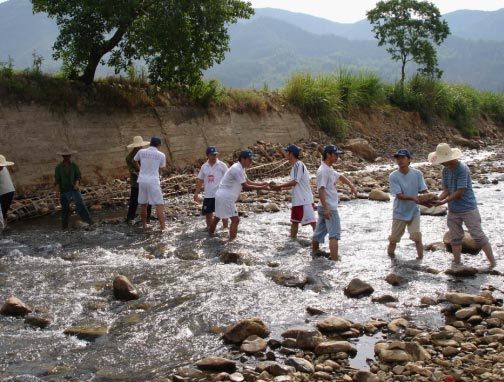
<point>409,29</point>
<point>177,39</point>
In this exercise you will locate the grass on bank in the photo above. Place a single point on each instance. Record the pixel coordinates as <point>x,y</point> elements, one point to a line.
<point>326,99</point>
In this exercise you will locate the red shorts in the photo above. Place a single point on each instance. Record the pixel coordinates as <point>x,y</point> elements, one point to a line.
<point>303,214</point>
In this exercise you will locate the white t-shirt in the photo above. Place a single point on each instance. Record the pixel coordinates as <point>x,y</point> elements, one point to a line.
<point>327,177</point>
<point>212,175</point>
<point>231,184</point>
<point>151,160</point>
<point>301,192</point>
<point>6,184</point>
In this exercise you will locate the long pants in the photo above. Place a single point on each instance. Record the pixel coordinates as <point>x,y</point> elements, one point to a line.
<point>65,199</point>
<point>5,201</point>
<point>133,205</point>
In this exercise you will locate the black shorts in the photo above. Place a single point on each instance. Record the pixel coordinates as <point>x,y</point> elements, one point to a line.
<point>208,206</point>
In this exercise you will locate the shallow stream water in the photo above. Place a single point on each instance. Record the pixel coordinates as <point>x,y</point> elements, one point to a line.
<point>188,295</point>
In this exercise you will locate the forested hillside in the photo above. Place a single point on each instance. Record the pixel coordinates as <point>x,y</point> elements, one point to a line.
<point>269,48</point>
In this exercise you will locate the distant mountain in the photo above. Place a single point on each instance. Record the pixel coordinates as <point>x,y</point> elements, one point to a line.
<point>273,44</point>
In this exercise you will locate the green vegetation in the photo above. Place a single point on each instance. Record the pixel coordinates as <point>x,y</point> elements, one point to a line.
<point>177,39</point>
<point>327,100</point>
<point>409,28</point>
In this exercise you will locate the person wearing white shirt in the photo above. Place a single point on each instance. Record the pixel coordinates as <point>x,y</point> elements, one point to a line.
<point>151,160</point>
<point>229,191</point>
<point>210,175</point>
<point>328,216</point>
<point>302,211</point>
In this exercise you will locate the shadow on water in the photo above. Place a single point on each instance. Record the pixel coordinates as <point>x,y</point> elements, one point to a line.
<point>188,295</point>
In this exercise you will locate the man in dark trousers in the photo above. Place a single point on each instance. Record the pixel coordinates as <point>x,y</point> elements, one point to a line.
<point>67,178</point>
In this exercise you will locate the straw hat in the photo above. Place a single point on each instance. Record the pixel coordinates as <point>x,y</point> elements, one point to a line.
<point>444,153</point>
<point>66,151</point>
<point>137,142</point>
<point>4,162</point>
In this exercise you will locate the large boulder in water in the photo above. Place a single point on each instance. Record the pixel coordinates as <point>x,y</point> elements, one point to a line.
<point>14,307</point>
<point>246,328</point>
<point>124,289</point>
<point>468,243</point>
<point>88,332</point>
<point>379,195</point>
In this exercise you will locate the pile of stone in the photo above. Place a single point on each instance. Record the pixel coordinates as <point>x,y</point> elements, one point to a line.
<point>470,348</point>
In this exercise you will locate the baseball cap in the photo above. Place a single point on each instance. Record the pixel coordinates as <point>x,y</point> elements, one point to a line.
<point>155,141</point>
<point>211,150</point>
<point>402,152</point>
<point>333,149</point>
<point>292,149</point>
<point>247,154</point>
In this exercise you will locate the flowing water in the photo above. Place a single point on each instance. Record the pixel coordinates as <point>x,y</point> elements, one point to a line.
<point>188,295</point>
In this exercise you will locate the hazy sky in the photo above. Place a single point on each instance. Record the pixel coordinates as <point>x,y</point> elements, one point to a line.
<point>345,11</point>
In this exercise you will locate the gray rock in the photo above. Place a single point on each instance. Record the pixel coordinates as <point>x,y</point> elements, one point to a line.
<point>14,307</point>
<point>290,279</point>
<point>379,195</point>
<point>88,332</point>
<point>333,324</point>
<point>245,328</point>
<point>37,321</point>
<point>124,289</point>
<point>253,344</point>
<point>468,243</point>
<point>395,279</point>
<point>300,364</point>
<point>334,347</point>
<point>365,376</point>
<point>384,299</point>
<point>358,288</point>
<point>216,364</point>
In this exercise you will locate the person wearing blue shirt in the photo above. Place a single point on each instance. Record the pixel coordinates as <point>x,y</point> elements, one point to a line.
<point>405,184</point>
<point>462,206</point>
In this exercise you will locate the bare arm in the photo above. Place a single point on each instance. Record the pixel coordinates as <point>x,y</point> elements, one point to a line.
<point>343,179</point>
<point>250,186</point>
<point>285,186</point>
<point>199,184</point>
<point>444,198</point>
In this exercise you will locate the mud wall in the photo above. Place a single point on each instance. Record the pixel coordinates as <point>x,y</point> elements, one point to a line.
<point>30,135</point>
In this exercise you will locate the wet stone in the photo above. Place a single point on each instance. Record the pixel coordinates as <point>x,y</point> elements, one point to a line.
<point>14,307</point>
<point>88,332</point>
<point>245,328</point>
<point>290,279</point>
<point>216,364</point>
<point>37,321</point>
<point>358,288</point>
<point>124,289</point>
<point>300,364</point>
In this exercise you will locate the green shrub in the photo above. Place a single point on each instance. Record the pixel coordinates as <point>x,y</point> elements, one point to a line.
<point>492,104</point>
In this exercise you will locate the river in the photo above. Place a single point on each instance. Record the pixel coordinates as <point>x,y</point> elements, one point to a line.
<point>188,295</point>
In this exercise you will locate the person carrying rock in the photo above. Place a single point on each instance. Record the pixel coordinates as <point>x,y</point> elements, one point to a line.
<point>6,190</point>
<point>302,211</point>
<point>405,184</point>
<point>67,179</point>
<point>210,175</point>
<point>229,190</point>
<point>134,169</point>
<point>328,217</point>
<point>462,206</point>
<point>151,161</point>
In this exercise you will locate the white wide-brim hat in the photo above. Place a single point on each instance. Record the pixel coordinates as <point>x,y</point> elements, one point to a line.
<point>4,162</point>
<point>138,142</point>
<point>66,151</point>
<point>444,153</point>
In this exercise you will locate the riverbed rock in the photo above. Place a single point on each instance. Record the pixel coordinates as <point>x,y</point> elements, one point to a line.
<point>433,211</point>
<point>397,324</point>
<point>253,344</point>
<point>463,271</point>
<point>468,244</point>
<point>274,368</point>
<point>365,376</point>
<point>333,324</point>
<point>465,298</point>
<point>37,321</point>
<point>329,347</point>
<point>394,356</point>
<point>361,148</point>
<point>385,299</point>
<point>88,332</point>
<point>216,364</point>
<point>124,289</point>
<point>395,279</point>
<point>300,364</point>
<point>308,339</point>
<point>358,288</point>
<point>378,195</point>
<point>245,328</point>
<point>14,307</point>
<point>290,279</point>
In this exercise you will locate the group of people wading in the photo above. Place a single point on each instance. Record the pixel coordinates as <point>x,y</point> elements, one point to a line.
<point>223,185</point>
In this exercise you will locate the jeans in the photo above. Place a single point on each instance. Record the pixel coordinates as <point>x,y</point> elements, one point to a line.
<point>65,199</point>
<point>133,204</point>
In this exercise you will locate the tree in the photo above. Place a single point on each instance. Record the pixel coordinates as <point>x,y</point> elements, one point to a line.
<point>410,28</point>
<point>177,39</point>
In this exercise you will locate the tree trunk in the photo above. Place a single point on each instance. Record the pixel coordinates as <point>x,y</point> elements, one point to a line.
<point>90,71</point>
